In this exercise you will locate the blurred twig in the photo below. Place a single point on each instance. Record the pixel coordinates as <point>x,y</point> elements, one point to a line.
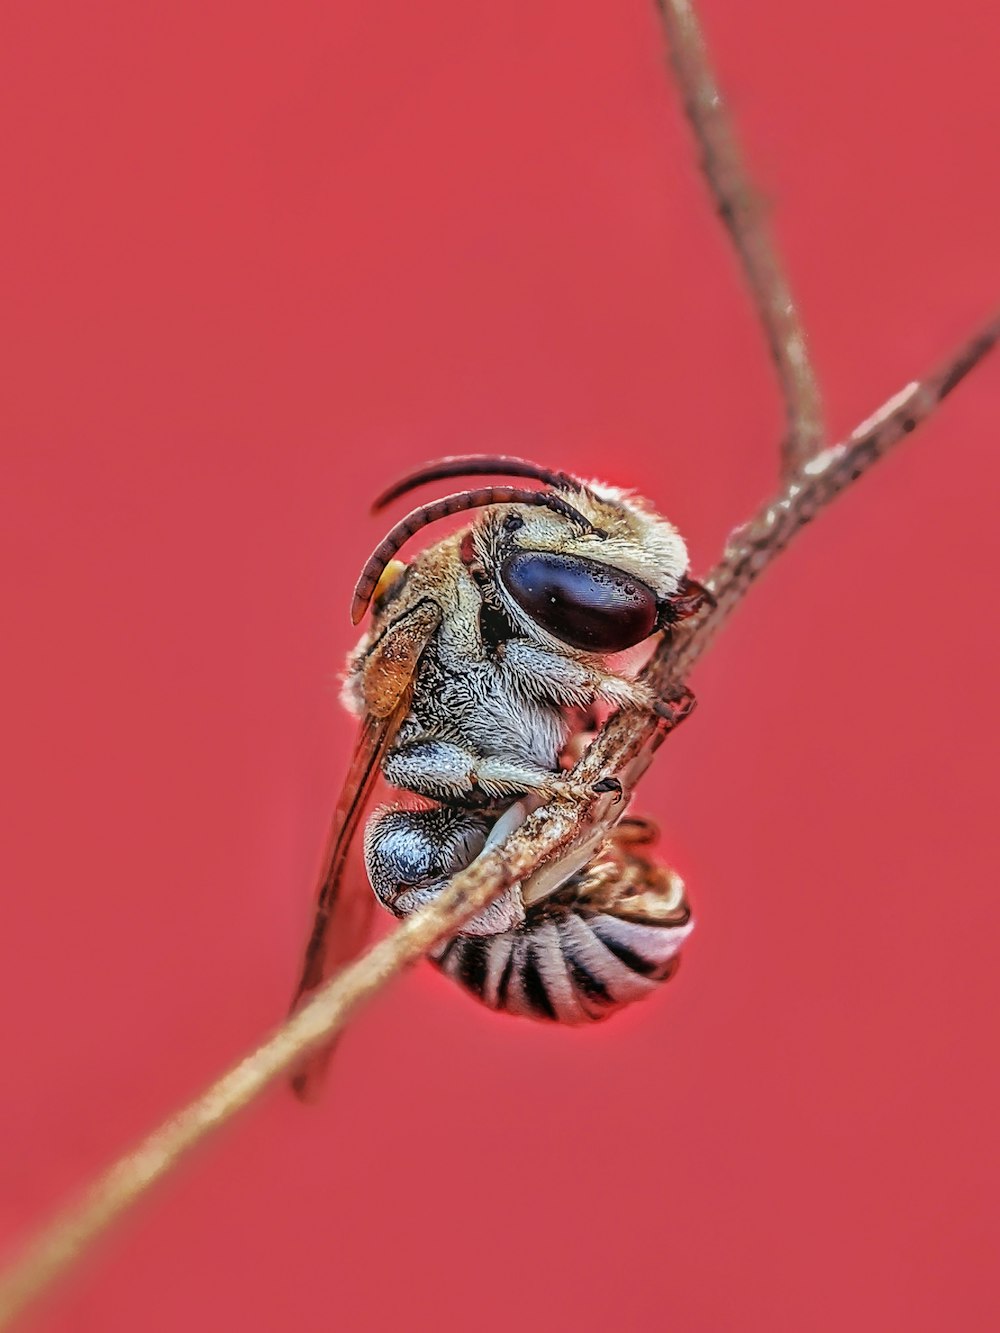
<point>741,209</point>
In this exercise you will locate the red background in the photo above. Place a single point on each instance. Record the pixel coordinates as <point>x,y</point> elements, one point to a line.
<point>257,259</point>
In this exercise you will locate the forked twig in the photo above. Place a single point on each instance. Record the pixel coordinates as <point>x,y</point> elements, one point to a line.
<point>741,209</point>
<point>622,748</point>
<point>818,481</point>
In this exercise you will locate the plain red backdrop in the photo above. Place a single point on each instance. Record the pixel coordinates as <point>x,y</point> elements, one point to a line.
<point>257,259</point>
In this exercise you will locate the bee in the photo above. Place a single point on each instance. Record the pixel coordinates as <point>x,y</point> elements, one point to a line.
<point>481,657</point>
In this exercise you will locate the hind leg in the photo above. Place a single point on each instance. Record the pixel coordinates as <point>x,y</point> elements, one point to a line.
<point>625,881</point>
<point>410,856</point>
<point>635,831</point>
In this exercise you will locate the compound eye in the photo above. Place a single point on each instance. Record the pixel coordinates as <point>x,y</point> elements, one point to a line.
<point>584,604</point>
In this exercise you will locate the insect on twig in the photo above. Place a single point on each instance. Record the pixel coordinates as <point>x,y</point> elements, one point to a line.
<point>575,818</point>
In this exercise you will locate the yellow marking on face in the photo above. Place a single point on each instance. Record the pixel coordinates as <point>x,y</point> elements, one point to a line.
<point>388,580</point>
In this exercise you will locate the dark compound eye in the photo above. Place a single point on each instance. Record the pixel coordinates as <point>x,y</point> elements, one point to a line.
<point>584,604</point>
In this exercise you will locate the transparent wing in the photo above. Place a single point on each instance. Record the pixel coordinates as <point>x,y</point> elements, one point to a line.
<point>344,908</point>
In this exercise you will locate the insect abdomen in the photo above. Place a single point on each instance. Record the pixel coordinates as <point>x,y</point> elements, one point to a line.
<point>567,965</point>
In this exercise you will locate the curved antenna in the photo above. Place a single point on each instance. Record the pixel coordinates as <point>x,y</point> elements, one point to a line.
<point>452,504</point>
<point>476,465</point>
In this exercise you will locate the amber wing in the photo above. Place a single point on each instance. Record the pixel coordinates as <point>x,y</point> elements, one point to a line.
<point>344,909</point>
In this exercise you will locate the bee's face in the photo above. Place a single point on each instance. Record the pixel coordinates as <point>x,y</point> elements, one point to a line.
<point>598,591</point>
<point>584,566</point>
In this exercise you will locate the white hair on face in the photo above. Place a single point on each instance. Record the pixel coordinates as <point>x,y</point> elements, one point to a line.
<point>629,536</point>
<point>638,540</point>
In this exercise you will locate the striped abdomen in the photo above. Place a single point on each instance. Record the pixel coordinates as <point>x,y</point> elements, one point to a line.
<point>571,962</point>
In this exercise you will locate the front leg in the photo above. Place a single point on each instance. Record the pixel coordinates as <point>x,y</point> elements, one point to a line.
<point>541,673</point>
<point>673,708</point>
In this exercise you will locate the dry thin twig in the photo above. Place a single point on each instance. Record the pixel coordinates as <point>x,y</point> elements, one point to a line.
<point>740,207</point>
<point>623,747</point>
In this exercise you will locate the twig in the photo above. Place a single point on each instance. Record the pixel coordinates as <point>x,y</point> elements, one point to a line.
<point>622,747</point>
<point>741,210</point>
<point>819,480</point>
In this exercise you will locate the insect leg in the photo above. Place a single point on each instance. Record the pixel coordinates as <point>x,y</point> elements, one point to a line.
<point>637,830</point>
<point>543,674</point>
<point>673,709</point>
<point>446,771</point>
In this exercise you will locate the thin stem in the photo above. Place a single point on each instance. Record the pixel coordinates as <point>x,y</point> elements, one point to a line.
<point>740,208</point>
<point>622,748</point>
